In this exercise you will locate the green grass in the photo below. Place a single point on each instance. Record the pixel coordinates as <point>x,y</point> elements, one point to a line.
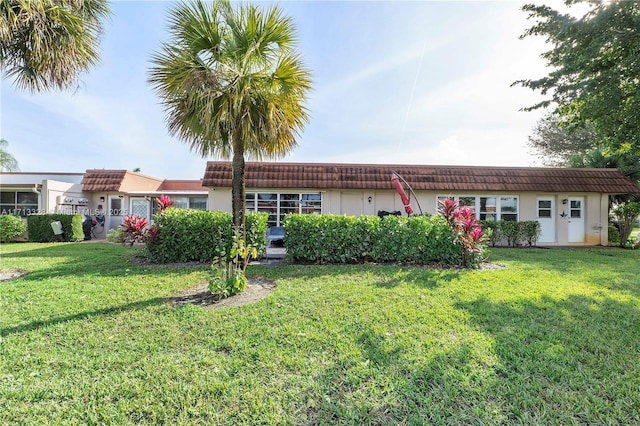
<point>552,338</point>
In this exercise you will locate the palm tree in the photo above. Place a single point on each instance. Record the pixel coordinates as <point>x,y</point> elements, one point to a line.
<point>7,162</point>
<point>46,44</point>
<point>232,85</point>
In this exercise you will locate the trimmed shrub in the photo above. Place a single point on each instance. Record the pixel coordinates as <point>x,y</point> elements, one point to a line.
<point>530,231</point>
<point>39,227</point>
<point>10,227</point>
<point>614,235</point>
<point>116,235</point>
<point>493,230</point>
<point>511,231</point>
<point>350,239</point>
<point>185,235</point>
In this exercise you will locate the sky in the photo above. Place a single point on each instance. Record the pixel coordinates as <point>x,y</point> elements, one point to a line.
<point>423,83</point>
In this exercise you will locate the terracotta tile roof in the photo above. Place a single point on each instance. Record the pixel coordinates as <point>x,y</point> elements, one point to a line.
<point>182,185</point>
<point>103,180</point>
<point>439,178</point>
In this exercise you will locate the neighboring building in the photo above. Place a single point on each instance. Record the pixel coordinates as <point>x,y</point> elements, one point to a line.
<point>23,193</point>
<point>570,204</point>
<point>121,192</point>
<point>114,193</point>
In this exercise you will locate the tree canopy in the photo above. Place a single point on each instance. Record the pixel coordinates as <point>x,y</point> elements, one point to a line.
<point>232,84</point>
<point>47,44</point>
<point>8,162</point>
<point>595,62</point>
<point>556,143</point>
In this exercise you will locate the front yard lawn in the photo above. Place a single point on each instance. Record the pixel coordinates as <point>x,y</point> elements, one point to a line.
<point>88,337</point>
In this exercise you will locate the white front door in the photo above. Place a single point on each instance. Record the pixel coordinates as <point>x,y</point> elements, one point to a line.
<point>576,220</point>
<point>546,216</point>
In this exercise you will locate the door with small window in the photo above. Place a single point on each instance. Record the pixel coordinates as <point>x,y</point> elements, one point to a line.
<point>117,211</point>
<point>576,220</point>
<point>546,217</point>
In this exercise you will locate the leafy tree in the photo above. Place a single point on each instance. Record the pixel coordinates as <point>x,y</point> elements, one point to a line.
<point>560,144</point>
<point>626,215</point>
<point>46,44</point>
<point>595,65</point>
<point>7,162</point>
<point>556,144</point>
<point>232,85</point>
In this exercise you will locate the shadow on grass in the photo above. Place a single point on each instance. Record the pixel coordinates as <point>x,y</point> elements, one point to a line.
<point>103,259</point>
<point>36,325</point>
<point>382,276</point>
<point>609,267</point>
<point>573,355</point>
<point>385,386</point>
<point>569,361</point>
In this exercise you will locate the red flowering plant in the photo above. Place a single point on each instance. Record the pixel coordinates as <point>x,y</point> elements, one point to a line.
<point>153,231</point>
<point>467,231</point>
<point>134,229</point>
<point>163,203</point>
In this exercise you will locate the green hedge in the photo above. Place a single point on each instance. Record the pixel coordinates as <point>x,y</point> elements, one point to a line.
<point>350,239</point>
<point>40,231</point>
<point>195,235</point>
<point>10,227</point>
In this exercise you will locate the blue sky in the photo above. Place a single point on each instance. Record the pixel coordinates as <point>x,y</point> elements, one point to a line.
<point>394,83</point>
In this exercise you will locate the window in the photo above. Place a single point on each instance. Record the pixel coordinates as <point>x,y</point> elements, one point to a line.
<point>279,205</point>
<point>115,207</point>
<point>18,202</point>
<point>467,202</point>
<point>575,210</point>
<point>544,208</point>
<point>196,203</point>
<point>289,203</point>
<point>509,208</point>
<point>488,210</point>
<point>311,204</point>
<point>488,207</point>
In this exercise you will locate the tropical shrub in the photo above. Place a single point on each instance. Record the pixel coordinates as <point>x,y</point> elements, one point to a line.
<point>163,203</point>
<point>10,227</point>
<point>228,270</point>
<point>134,228</point>
<point>40,231</point>
<point>184,235</point>
<point>466,230</point>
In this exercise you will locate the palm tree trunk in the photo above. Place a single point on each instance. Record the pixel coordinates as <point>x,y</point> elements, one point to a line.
<point>237,186</point>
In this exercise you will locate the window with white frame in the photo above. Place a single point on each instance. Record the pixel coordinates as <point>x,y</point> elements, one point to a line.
<point>278,205</point>
<point>488,207</point>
